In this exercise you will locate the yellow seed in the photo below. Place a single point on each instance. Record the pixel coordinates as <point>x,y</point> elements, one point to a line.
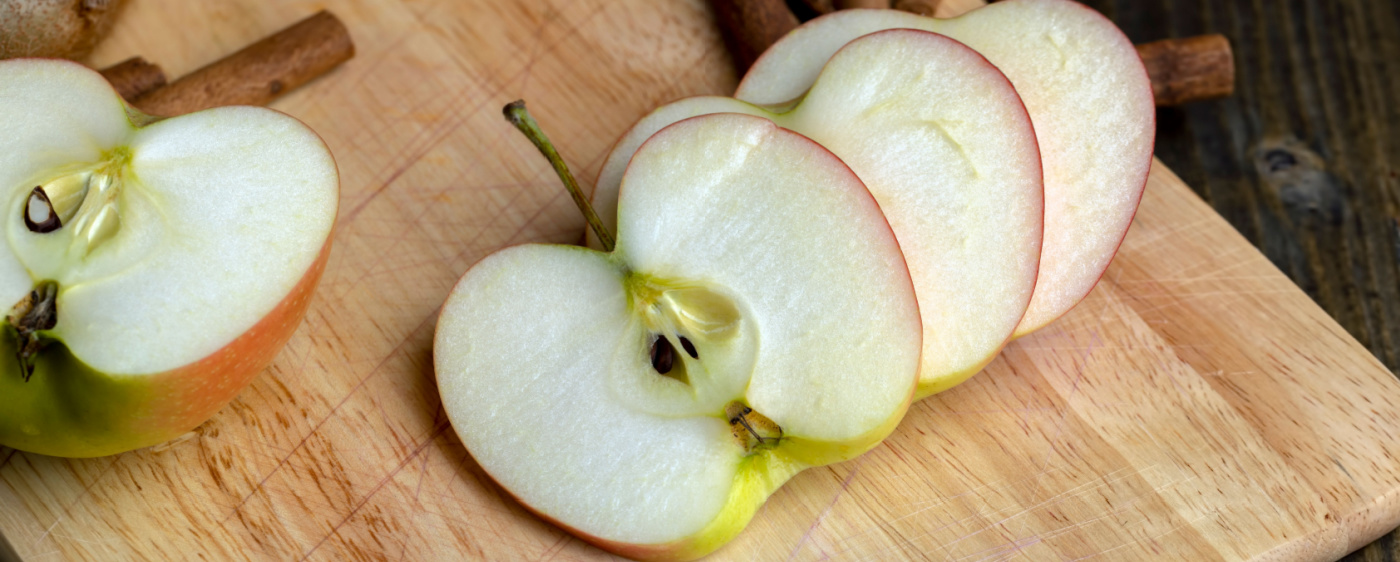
<point>103,226</point>
<point>66,194</point>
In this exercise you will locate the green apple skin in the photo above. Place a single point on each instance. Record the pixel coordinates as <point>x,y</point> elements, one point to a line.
<point>68,409</point>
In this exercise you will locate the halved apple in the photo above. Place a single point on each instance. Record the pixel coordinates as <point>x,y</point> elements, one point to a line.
<point>1086,91</point>
<point>150,268</point>
<point>756,318</point>
<point>944,144</point>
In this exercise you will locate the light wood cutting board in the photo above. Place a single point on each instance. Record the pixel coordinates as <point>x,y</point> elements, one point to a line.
<point>1197,406</point>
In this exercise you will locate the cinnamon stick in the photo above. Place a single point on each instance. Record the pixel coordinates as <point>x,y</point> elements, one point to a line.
<point>134,77</point>
<point>867,4</point>
<point>921,7</point>
<point>1181,70</point>
<point>1190,69</point>
<point>750,26</point>
<point>259,73</point>
<point>813,8</point>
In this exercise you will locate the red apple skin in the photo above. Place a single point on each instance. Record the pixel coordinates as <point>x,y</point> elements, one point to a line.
<point>1033,320</point>
<point>678,551</point>
<point>740,510</point>
<point>195,392</point>
<point>1146,171</point>
<point>697,546</point>
<point>68,409</point>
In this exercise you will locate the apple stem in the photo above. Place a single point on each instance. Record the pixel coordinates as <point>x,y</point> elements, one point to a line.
<point>739,413</point>
<point>517,115</point>
<point>745,422</point>
<point>36,311</point>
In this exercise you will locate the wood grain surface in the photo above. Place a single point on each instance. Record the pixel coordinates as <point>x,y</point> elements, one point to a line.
<point>1303,159</point>
<point>1196,406</point>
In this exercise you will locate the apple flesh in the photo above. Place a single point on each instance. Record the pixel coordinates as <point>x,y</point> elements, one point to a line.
<point>1088,96</point>
<point>182,254</point>
<point>943,143</point>
<point>756,318</point>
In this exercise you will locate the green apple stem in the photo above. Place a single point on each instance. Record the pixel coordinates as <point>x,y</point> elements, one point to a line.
<point>520,117</point>
<point>36,311</point>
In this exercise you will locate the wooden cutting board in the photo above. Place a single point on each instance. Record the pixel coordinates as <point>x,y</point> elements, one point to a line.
<point>1197,406</point>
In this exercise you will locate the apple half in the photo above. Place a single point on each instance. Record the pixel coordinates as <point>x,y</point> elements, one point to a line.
<point>755,319</point>
<point>1086,91</point>
<point>150,268</point>
<point>943,143</point>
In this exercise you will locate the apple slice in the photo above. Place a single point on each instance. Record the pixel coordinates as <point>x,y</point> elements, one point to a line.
<point>149,269</point>
<point>756,318</point>
<point>1086,91</point>
<point>944,144</point>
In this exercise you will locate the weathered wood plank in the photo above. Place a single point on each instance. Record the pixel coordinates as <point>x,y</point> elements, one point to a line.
<point>1305,159</point>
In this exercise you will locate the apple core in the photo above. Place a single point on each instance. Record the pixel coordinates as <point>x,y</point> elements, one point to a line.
<point>649,399</point>
<point>87,200</point>
<point>149,267</point>
<point>946,147</point>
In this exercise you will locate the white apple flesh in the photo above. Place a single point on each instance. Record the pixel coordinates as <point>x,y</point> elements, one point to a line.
<point>184,255</point>
<point>943,143</point>
<point>1088,96</point>
<point>756,318</point>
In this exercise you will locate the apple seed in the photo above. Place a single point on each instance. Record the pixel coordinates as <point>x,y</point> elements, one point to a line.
<point>57,201</point>
<point>663,355</point>
<point>39,215</point>
<point>87,200</point>
<point>102,226</point>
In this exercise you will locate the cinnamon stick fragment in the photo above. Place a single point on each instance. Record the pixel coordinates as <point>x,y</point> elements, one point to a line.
<point>1181,70</point>
<point>863,4</point>
<point>814,8</point>
<point>938,8</point>
<point>1190,69</point>
<point>920,7</point>
<point>751,26</point>
<point>259,73</point>
<point>133,77</point>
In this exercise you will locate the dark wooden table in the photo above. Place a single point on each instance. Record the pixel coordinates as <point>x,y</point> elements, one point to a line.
<point>1304,159</point>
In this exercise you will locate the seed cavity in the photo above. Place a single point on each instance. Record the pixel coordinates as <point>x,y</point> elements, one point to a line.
<point>83,203</point>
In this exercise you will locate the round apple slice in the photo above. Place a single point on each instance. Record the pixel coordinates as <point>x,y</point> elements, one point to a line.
<point>944,144</point>
<point>756,318</point>
<point>148,272</point>
<point>1086,91</point>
